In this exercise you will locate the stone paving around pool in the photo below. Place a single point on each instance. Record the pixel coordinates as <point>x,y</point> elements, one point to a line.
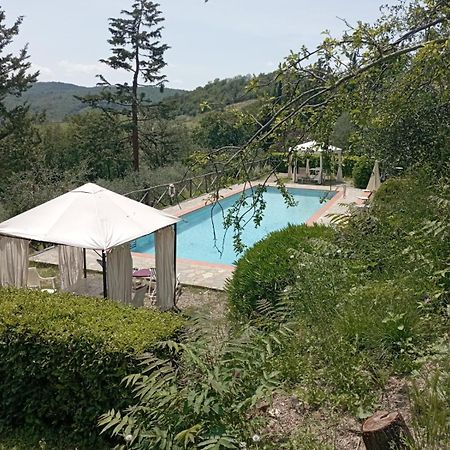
<point>208,275</point>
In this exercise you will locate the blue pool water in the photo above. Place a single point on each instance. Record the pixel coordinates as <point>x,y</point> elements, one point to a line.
<point>195,236</point>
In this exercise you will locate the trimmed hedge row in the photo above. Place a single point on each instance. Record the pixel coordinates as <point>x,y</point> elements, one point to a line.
<point>266,269</point>
<point>62,357</point>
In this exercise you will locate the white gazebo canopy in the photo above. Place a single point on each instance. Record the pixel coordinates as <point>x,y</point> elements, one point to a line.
<point>92,217</point>
<point>313,147</point>
<point>316,147</point>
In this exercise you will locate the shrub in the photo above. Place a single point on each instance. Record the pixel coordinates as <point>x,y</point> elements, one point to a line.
<point>205,396</point>
<point>361,173</point>
<point>388,320</point>
<point>279,161</point>
<point>146,178</point>
<point>347,339</point>
<point>266,269</point>
<point>348,163</point>
<point>62,357</point>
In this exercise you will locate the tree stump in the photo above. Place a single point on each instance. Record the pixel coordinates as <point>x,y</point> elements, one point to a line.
<point>386,431</point>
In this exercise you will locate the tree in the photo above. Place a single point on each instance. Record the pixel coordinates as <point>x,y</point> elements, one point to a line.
<point>405,51</point>
<point>369,71</point>
<point>90,142</point>
<point>224,128</point>
<point>137,49</point>
<point>18,135</point>
<point>14,77</point>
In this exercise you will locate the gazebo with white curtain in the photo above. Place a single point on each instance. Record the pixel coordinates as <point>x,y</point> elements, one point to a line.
<point>313,147</point>
<point>92,217</point>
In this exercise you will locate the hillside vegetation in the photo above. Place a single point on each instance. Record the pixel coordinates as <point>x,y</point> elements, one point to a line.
<point>58,100</point>
<point>215,95</point>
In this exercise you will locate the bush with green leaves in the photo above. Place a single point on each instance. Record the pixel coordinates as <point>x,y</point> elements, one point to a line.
<point>62,357</point>
<point>362,170</point>
<point>266,269</point>
<point>206,395</point>
<point>370,307</point>
<point>279,161</point>
<point>348,162</point>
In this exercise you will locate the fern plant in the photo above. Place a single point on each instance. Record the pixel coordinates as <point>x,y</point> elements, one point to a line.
<point>205,395</point>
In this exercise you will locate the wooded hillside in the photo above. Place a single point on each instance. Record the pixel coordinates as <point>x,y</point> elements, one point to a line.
<point>58,100</point>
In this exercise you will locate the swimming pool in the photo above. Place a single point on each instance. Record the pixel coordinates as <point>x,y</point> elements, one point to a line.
<point>195,236</point>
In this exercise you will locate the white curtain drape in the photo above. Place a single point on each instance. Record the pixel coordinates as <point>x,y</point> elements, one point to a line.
<point>374,181</point>
<point>165,268</point>
<point>119,267</point>
<point>70,265</point>
<point>13,261</point>
<point>339,177</point>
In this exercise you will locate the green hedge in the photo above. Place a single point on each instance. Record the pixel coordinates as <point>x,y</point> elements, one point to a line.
<point>265,269</point>
<point>361,173</point>
<point>279,161</point>
<point>348,162</point>
<point>62,357</point>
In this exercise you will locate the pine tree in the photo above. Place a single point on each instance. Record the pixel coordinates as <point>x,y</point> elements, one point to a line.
<point>14,77</point>
<point>136,48</point>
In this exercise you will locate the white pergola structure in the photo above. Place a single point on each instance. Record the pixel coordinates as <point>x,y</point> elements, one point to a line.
<point>92,217</point>
<point>313,147</point>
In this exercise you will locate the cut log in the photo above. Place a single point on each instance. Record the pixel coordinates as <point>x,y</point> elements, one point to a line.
<point>386,431</point>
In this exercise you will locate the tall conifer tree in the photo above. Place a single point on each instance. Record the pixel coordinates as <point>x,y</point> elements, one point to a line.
<point>136,48</point>
<point>15,77</point>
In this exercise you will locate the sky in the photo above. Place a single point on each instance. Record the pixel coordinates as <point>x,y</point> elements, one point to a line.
<point>218,39</point>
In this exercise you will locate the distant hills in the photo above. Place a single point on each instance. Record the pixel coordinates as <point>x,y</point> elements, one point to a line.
<point>57,99</point>
<point>217,94</point>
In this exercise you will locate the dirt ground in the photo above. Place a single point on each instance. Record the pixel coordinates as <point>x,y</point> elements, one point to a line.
<point>289,416</point>
<point>203,301</point>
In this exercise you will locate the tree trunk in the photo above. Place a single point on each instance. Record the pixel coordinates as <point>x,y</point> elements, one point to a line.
<point>386,431</point>
<point>135,132</point>
<point>134,104</point>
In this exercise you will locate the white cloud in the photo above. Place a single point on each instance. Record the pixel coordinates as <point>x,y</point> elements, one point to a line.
<point>86,69</point>
<point>44,72</point>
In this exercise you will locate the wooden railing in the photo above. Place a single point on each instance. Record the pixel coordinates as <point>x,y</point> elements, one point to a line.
<point>169,194</point>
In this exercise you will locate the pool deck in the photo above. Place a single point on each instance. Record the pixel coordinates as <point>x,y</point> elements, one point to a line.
<point>209,275</point>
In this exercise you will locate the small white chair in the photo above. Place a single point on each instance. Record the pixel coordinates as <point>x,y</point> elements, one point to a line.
<point>152,291</point>
<point>34,279</point>
<point>138,296</point>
